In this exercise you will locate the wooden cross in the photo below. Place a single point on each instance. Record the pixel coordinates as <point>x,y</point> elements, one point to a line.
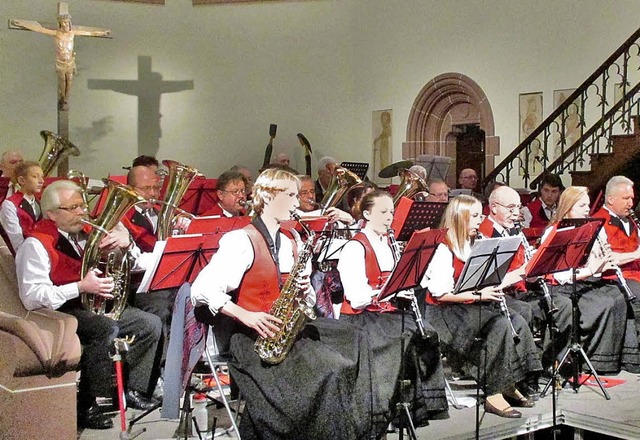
<point>63,35</point>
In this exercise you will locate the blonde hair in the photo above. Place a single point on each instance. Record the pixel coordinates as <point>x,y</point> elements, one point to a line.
<point>456,219</point>
<point>568,198</point>
<point>265,186</point>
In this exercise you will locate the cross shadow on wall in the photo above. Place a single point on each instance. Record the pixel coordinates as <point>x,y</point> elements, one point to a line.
<point>149,87</point>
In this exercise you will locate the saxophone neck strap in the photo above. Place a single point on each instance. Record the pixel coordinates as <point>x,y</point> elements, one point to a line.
<point>274,247</point>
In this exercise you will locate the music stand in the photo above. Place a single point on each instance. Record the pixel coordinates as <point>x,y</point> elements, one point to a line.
<point>407,274</point>
<point>413,215</point>
<point>199,196</point>
<point>437,167</point>
<point>566,249</point>
<point>217,225</point>
<point>487,265</point>
<point>358,168</point>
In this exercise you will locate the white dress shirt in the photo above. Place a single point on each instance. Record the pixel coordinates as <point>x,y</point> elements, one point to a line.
<point>438,278</point>
<point>11,224</point>
<point>352,268</point>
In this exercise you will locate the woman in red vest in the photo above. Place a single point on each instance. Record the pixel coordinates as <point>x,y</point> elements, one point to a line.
<point>471,325</point>
<point>366,261</point>
<point>20,212</point>
<point>322,389</point>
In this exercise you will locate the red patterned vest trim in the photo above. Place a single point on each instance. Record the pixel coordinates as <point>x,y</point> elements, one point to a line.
<point>375,277</point>
<point>134,222</point>
<point>538,217</point>
<point>259,287</point>
<point>622,243</point>
<point>65,268</point>
<point>26,221</point>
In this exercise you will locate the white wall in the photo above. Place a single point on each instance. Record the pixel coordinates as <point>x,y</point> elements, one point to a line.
<point>318,67</point>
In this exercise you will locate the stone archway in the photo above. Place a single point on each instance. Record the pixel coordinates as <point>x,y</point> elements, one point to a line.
<point>447,101</point>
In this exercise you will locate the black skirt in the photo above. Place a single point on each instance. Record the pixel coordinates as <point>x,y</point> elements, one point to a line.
<point>321,390</point>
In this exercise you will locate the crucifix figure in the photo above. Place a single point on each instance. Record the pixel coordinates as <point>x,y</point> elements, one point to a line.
<point>63,37</point>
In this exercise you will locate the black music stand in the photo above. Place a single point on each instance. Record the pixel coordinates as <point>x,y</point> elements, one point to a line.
<point>566,249</point>
<point>407,275</point>
<point>420,215</point>
<point>486,266</point>
<point>358,168</point>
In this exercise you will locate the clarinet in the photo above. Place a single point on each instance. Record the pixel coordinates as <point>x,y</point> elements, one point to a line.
<point>608,253</point>
<point>415,308</point>
<point>504,309</point>
<point>528,253</point>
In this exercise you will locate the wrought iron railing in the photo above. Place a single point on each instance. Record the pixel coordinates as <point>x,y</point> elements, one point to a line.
<point>561,136</point>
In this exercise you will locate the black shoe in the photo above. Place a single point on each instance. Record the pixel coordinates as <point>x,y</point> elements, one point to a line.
<point>508,413</point>
<point>519,402</point>
<point>135,399</point>
<point>92,418</point>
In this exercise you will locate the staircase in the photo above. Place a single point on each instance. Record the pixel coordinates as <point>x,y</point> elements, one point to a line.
<point>603,112</point>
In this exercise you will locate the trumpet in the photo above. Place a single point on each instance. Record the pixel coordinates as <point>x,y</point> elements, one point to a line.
<point>608,254</point>
<point>415,307</point>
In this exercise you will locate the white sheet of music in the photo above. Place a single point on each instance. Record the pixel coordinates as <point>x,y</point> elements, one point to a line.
<point>157,252</point>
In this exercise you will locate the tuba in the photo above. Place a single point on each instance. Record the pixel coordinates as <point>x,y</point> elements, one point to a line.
<point>55,148</point>
<point>290,307</point>
<point>120,198</point>
<point>178,180</point>
<point>341,181</point>
<point>411,184</point>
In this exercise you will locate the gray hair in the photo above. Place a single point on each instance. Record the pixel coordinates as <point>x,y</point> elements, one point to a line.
<point>322,163</point>
<point>614,182</point>
<point>50,199</point>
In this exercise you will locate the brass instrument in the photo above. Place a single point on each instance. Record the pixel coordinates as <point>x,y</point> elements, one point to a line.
<point>290,307</point>
<point>411,184</point>
<point>607,253</point>
<point>504,308</point>
<point>415,307</point>
<point>341,181</point>
<point>120,198</point>
<point>55,148</point>
<point>179,178</point>
<point>528,254</point>
<point>83,182</point>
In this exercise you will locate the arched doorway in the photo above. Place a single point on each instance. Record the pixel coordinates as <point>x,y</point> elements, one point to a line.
<point>451,117</point>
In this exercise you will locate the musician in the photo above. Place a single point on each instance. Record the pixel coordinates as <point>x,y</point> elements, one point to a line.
<point>322,387</point>
<point>232,197</point>
<point>366,261</point>
<point>326,166</point>
<point>438,191</point>
<point>246,172</point>
<point>538,213</point>
<point>504,214</point>
<point>282,159</point>
<point>20,212</point>
<point>48,266</point>
<point>8,163</point>
<point>603,308</point>
<point>468,180</point>
<point>456,317</point>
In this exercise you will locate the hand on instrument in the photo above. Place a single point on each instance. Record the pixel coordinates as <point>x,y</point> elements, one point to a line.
<point>118,237</point>
<point>491,293</point>
<point>513,277</point>
<point>338,215</point>
<point>263,323</point>
<point>182,223</point>
<point>93,284</point>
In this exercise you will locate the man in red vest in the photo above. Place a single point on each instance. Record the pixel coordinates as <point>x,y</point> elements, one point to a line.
<point>48,266</point>
<point>232,195</point>
<point>538,213</point>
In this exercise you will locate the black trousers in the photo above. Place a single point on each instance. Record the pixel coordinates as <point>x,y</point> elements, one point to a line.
<point>97,334</point>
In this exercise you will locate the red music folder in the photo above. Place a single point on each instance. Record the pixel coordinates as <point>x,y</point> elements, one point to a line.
<point>200,196</point>
<point>217,225</point>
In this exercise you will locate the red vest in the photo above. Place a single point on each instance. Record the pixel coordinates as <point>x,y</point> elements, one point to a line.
<point>216,209</point>
<point>65,263</point>
<point>488,231</point>
<point>24,217</point>
<point>260,287</point>
<point>375,277</point>
<point>458,265</point>
<point>539,216</point>
<point>141,230</point>
<point>622,243</point>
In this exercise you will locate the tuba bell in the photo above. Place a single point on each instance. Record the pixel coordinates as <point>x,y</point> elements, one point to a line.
<point>120,198</point>
<point>411,184</point>
<point>55,148</point>
<point>177,181</point>
<point>341,181</point>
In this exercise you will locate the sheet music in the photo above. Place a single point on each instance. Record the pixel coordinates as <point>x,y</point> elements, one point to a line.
<point>332,251</point>
<point>156,255</point>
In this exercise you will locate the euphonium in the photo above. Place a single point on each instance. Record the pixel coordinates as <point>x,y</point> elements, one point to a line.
<point>341,181</point>
<point>179,178</point>
<point>120,198</point>
<point>411,184</point>
<point>290,307</point>
<point>55,148</point>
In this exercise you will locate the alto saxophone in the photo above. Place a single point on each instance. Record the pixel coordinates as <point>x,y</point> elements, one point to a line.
<point>290,307</point>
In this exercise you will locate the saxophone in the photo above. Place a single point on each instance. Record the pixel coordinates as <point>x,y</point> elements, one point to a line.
<point>290,307</point>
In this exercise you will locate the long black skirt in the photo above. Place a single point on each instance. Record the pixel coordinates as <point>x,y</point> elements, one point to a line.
<point>423,368</point>
<point>479,334</point>
<point>321,390</point>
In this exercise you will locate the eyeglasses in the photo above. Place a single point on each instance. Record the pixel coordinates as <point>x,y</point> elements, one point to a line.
<point>82,206</point>
<point>237,192</point>
<point>510,208</point>
<point>148,188</point>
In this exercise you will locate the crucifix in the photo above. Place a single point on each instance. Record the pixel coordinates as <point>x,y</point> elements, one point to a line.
<point>63,36</point>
